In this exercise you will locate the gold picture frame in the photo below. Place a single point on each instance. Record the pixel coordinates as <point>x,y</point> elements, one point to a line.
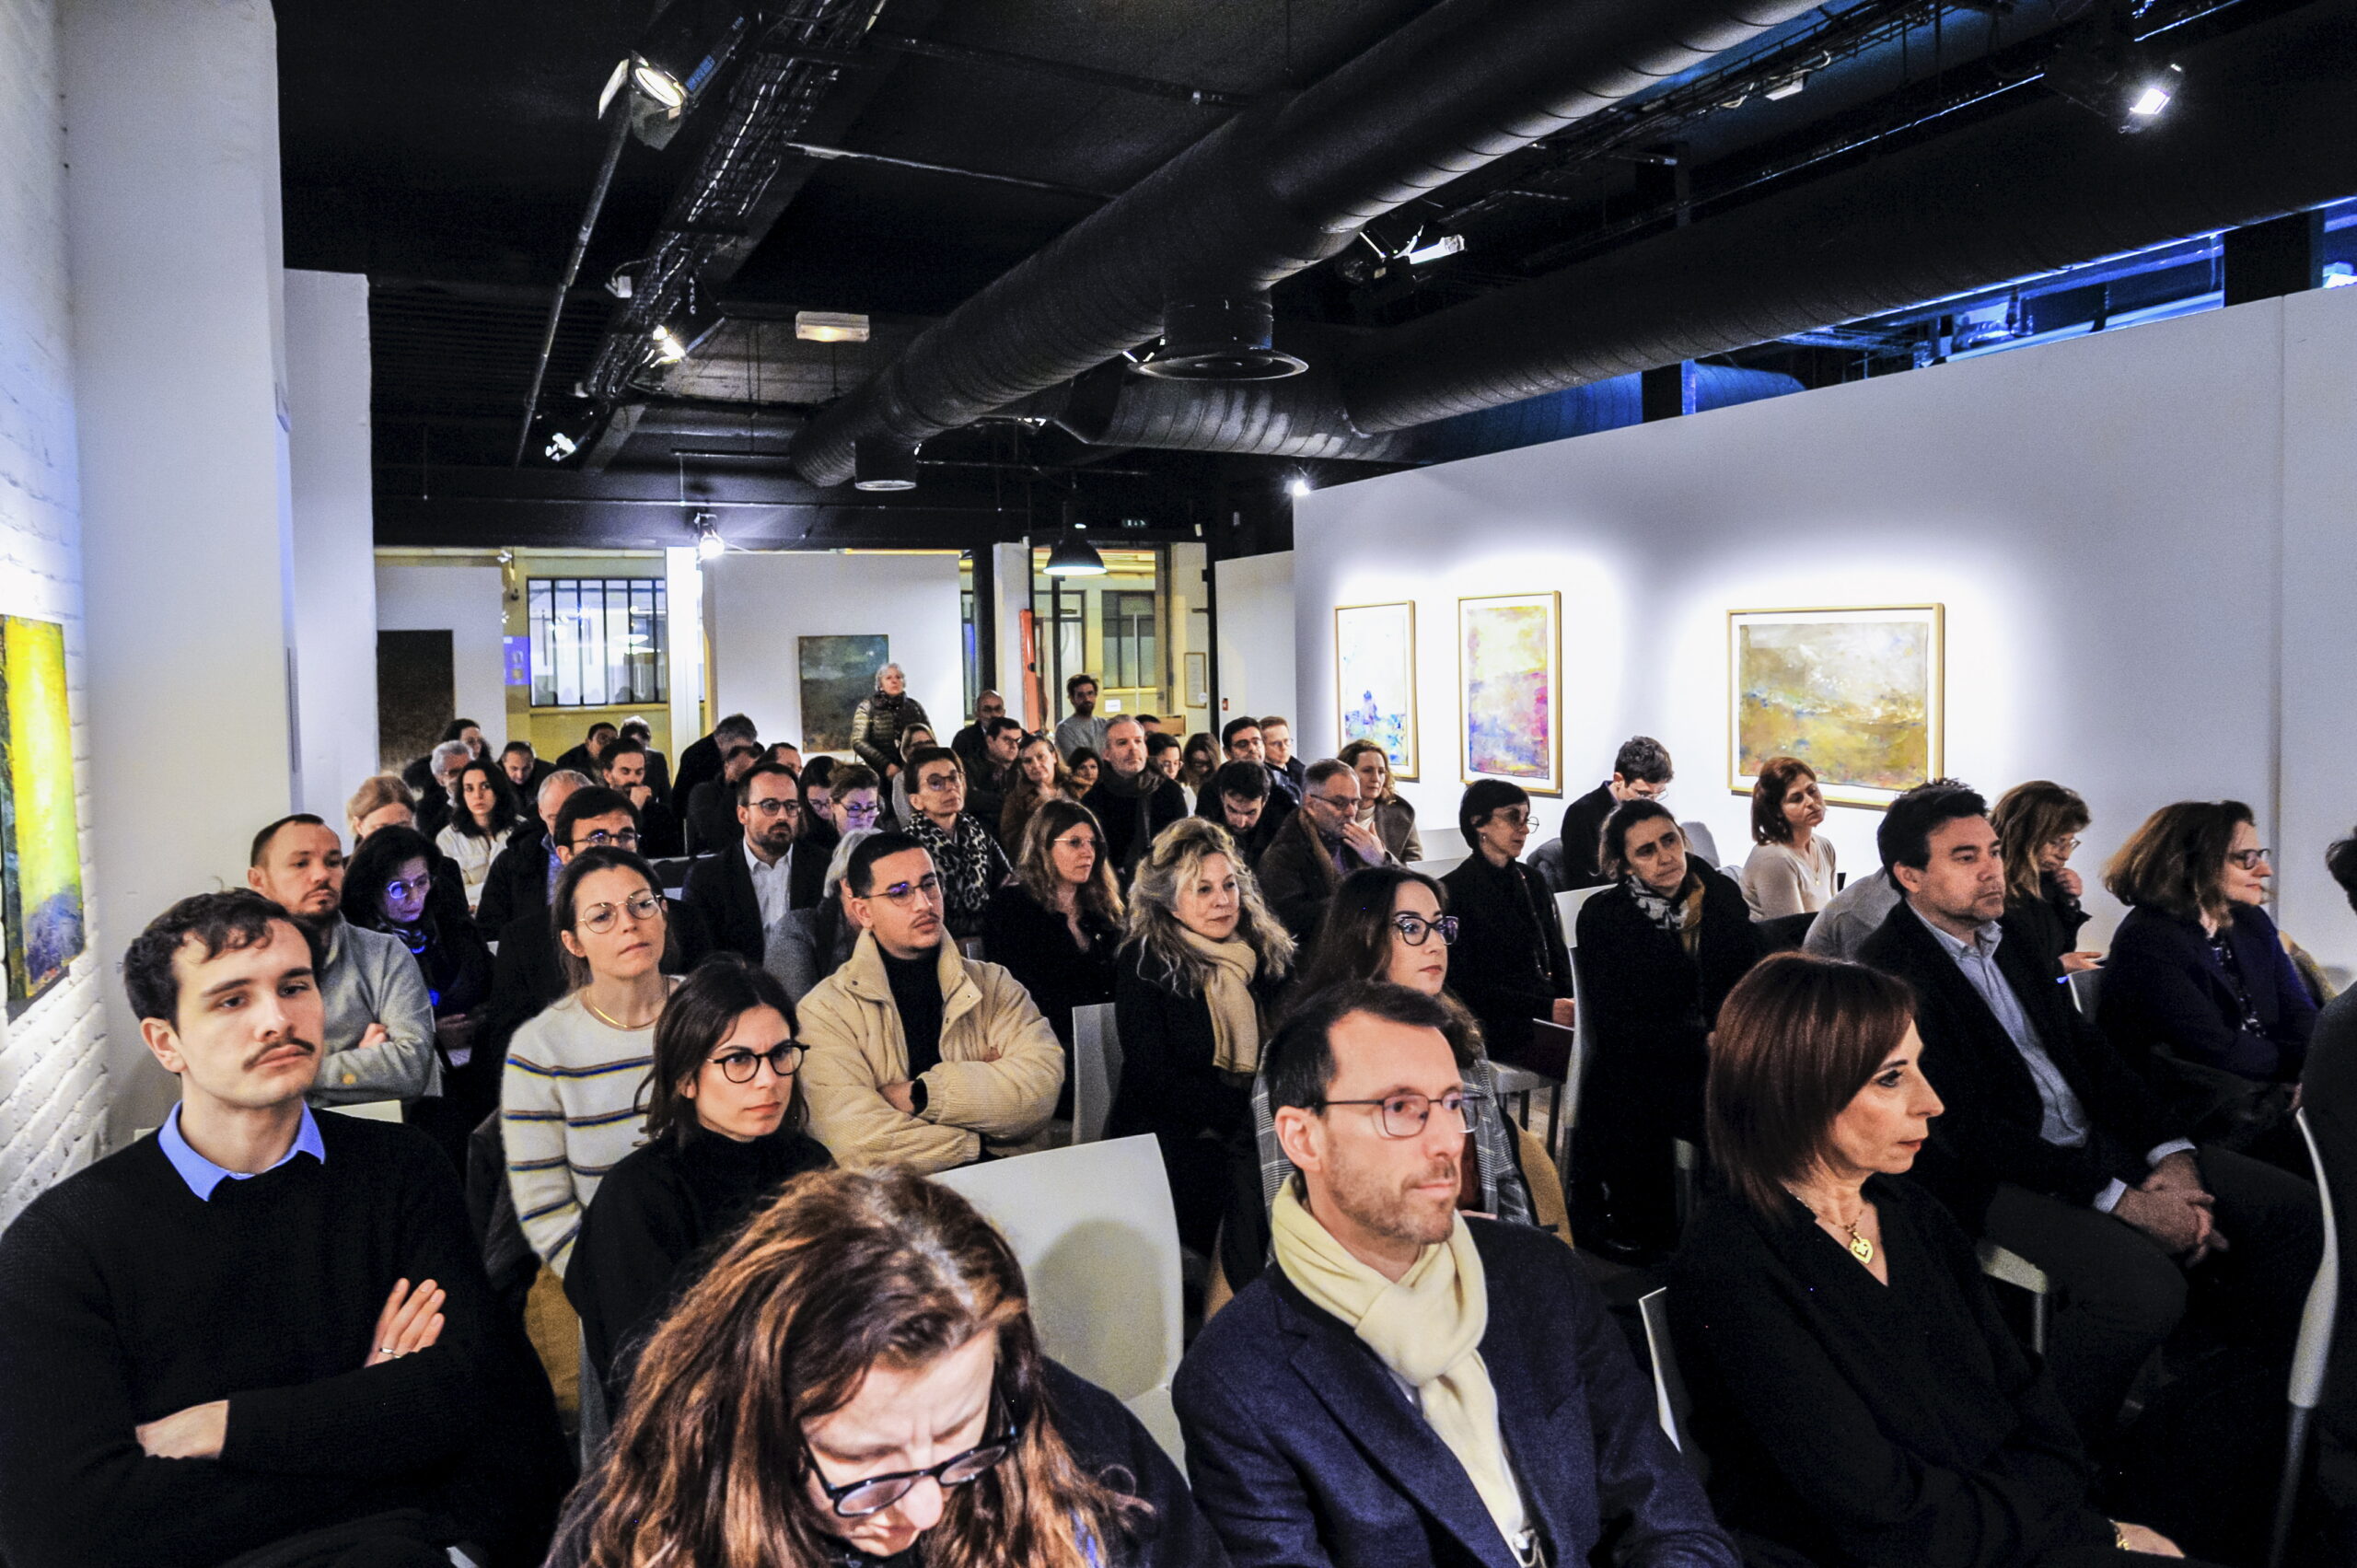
<point>1509,684</point>
<point>1382,708</point>
<point>1857,691</point>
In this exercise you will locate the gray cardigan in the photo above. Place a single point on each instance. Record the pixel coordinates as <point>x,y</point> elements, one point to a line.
<point>370,978</point>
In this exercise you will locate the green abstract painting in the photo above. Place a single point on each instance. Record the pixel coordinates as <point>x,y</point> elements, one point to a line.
<point>38,832</point>
<point>1854,694</point>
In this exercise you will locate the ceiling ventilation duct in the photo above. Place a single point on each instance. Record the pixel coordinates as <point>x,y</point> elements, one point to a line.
<point>1281,188</point>
<point>1227,338</point>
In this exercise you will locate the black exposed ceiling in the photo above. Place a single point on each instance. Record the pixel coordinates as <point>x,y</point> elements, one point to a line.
<point>446,150</point>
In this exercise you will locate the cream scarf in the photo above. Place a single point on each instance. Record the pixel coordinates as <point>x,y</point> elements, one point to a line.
<point>1427,1328</point>
<point>1236,1016</point>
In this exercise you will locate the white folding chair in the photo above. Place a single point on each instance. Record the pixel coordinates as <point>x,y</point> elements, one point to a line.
<point>2310,1355</point>
<point>1437,869</point>
<point>2087,989</point>
<point>369,1109</point>
<point>2003,1263</point>
<point>1671,1406</point>
<point>1567,911</point>
<point>1099,1241</point>
<point>1096,1070</point>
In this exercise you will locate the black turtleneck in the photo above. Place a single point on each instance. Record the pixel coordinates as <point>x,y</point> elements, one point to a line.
<point>916,993</point>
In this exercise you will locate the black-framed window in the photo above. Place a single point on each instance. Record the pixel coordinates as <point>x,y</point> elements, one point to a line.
<point>599,642</point>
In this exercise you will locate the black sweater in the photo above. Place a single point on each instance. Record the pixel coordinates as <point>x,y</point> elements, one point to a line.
<point>659,1220</point>
<point>1861,1422</point>
<point>1651,1009</point>
<point>1509,964</point>
<point>1035,945</point>
<point>124,1298</point>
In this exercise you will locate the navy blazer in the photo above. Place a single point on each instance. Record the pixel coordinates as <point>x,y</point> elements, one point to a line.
<point>1304,1451</point>
<point>1989,1132</point>
<point>720,886</point>
<point>2163,987</point>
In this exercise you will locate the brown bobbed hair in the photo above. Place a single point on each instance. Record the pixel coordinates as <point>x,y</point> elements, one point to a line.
<point>2176,862</point>
<point>1612,853</point>
<point>1777,776</point>
<point>843,1271</point>
<point>1349,756</point>
<point>2029,817</point>
<point>563,916</point>
<point>1035,864</point>
<point>1797,1039</point>
<point>693,1024</point>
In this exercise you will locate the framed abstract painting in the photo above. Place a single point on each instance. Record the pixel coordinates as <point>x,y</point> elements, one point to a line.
<point>39,833</point>
<point>1857,694</point>
<point>1375,681</point>
<point>1509,662</point>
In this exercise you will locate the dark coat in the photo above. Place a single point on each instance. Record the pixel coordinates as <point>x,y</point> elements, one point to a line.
<point>1132,821</point>
<point>1650,1009</point>
<point>698,762</point>
<point>1509,964</point>
<point>710,824</point>
<point>2050,922</point>
<point>1304,1451</point>
<point>1574,864</point>
<point>1298,875</point>
<point>1254,842</point>
<point>1860,1422</point>
<point>517,882</point>
<point>530,971</point>
<point>1989,1134</point>
<point>720,888</point>
<point>1035,945</point>
<point>658,831</point>
<point>2164,991</point>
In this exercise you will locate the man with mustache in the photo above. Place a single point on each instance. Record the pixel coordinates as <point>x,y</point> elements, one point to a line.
<point>378,1034</point>
<point>1408,1385</point>
<point>916,1054</point>
<point>257,1325</point>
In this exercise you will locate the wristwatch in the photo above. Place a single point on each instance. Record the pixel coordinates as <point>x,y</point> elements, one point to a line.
<point>919,1097</point>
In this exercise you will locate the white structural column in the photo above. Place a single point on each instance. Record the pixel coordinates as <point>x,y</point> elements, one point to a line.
<point>171,139</point>
<point>1011,572</point>
<point>334,538</point>
<point>683,591</point>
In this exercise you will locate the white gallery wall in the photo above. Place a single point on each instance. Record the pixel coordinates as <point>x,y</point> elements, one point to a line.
<point>757,604</point>
<point>1256,641</point>
<point>468,602</point>
<point>2145,541</point>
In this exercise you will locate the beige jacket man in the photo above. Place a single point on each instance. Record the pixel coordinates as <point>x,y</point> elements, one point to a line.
<point>1001,1066</point>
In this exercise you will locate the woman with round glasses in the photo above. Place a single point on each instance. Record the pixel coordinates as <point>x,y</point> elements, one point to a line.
<point>2198,991</point>
<point>2039,824</point>
<point>388,885</point>
<point>1659,950</point>
<point>1386,925</point>
<point>569,1099</point>
<point>856,1381</point>
<point>1511,963</point>
<point>724,1133</point>
<point>1204,958</point>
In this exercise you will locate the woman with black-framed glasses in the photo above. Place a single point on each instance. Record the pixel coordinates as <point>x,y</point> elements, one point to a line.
<point>1659,952</point>
<point>856,1382</point>
<point>1386,924</point>
<point>725,1130</point>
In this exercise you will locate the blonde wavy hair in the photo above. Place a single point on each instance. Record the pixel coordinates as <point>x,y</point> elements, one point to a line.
<point>1154,926</point>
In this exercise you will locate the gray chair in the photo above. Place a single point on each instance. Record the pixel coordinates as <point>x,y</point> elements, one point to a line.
<point>1096,1070</point>
<point>2311,1355</point>
<point>2000,1263</point>
<point>1700,844</point>
<point>1671,1405</point>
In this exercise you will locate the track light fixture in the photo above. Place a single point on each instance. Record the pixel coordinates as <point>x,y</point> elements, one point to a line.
<point>680,53</point>
<point>878,463</point>
<point>710,546</point>
<point>829,327</point>
<point>668,349</point>
<point>561,446</point>
<point>1220,338</point>
<point>2105,70</point>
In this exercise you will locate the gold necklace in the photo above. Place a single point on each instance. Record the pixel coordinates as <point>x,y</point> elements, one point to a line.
<point>613,1022</point>
<point>1860,1248</point>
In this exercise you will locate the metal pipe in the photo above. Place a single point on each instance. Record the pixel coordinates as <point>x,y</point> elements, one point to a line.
<point>620,111</point>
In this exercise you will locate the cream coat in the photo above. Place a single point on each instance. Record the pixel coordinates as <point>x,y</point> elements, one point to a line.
<point>1000,1069</point>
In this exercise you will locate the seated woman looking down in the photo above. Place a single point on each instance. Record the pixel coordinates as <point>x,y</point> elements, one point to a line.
<point>856,1382</point>
<point>1203,961</point>
<point>2039,824</point>
<point>1792,870</point>
<point>724,1133</point>
<point>1860,1397</point>
<point>1511,963</point>
<point>1659,950</point>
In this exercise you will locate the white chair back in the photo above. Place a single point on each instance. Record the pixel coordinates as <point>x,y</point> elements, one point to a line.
<point>1099,1241</point>
<point>2310,1355</point>
<point>1670,1404</point>
<point>1096,1070</point>
<point>369,1109</point>
<point>1699,841</point>
<point>1437,869</point>
<point>1567,911</point>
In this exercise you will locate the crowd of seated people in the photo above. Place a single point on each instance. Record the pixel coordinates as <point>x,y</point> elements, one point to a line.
<point>707,1118</point>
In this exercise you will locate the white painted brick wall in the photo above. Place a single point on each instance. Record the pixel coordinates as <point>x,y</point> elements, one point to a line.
<point>53,1078</point>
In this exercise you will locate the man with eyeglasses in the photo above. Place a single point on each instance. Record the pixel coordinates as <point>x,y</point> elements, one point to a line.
<point>377,1042</point>
<point>968,742</point>
<point>918,1055</point>
<point>991,772</point>
<point>1641,770</point>
<point>529,973</point>
<point>2052,1147</point>
<point>1409,1386</point>
<point>744,892</point>
<point>1316,848</point>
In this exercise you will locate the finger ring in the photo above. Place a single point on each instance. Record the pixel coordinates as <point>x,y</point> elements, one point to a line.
<point>386,1350</point>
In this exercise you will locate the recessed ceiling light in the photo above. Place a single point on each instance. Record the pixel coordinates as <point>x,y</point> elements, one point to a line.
<point>829,327</point>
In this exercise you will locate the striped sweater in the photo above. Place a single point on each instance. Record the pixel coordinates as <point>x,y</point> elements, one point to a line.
<point>570,1108</point>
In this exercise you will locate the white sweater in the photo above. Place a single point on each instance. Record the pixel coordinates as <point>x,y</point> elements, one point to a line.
<point>569,1106</point>
<point>474,857</point>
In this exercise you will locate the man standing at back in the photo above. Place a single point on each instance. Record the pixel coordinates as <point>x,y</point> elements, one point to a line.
<point>1133,802</point>
<point>918,1055</point>
<point>377,1040</point>
<point>1640,772</point>
<point>1407,1386</point>
<point>1084,730</point>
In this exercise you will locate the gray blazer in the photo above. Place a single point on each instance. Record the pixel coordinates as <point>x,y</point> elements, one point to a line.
<point>791,953</point>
